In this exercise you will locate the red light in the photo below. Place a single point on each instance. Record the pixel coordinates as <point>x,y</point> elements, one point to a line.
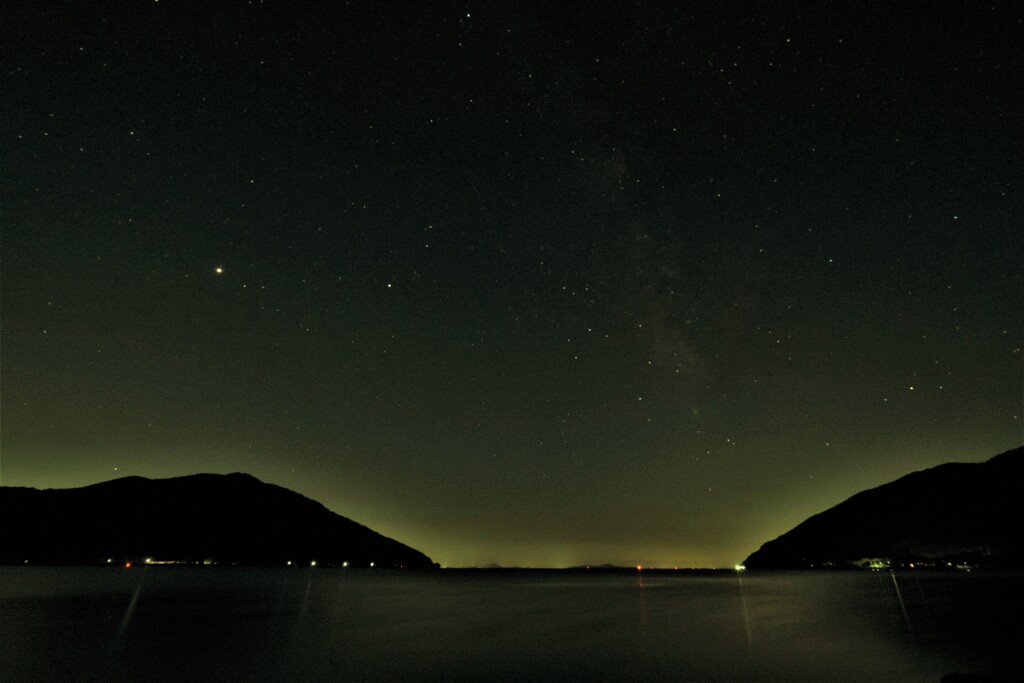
<point>127,564</point>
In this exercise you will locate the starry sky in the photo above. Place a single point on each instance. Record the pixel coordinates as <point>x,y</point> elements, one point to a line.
<point>536,284</point>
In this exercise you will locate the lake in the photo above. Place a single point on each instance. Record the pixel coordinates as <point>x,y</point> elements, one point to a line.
<point>181,623</point>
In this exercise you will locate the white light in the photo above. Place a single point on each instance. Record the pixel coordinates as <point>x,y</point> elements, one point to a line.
<point>371,564</point>
<point>313,563</point>
<point>740,568</point>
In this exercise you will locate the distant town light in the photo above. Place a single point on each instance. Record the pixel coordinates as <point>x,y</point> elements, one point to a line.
<point>741,568</point>
<point>313,563</point>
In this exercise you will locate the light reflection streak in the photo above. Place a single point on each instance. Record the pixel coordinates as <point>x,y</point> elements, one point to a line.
<point>899,597</point>
<point>300,618</point>
<point>644,618</point>
<point>746,611</point>
<point>129,611</point>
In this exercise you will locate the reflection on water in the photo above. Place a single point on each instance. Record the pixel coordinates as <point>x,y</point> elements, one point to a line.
<point>172,622</point>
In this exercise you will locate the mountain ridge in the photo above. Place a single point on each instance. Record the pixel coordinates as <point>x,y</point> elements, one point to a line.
<point>953,513</point>
<point>224,518</point>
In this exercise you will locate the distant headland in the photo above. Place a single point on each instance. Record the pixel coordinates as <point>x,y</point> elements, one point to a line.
<point>201,518</point>
<point>953,515</point>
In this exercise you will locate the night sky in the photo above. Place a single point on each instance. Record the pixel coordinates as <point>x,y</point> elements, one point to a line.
<point>536,284</point>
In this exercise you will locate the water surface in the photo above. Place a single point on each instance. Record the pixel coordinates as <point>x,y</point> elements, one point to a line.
<point>321,623</point>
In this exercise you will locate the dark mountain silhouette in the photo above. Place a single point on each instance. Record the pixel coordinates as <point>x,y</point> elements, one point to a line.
<point>953,513</point>
<point>224,518</point>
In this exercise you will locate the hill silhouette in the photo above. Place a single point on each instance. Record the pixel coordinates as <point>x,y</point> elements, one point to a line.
<point>958,513</point>
<point>224,518</point>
